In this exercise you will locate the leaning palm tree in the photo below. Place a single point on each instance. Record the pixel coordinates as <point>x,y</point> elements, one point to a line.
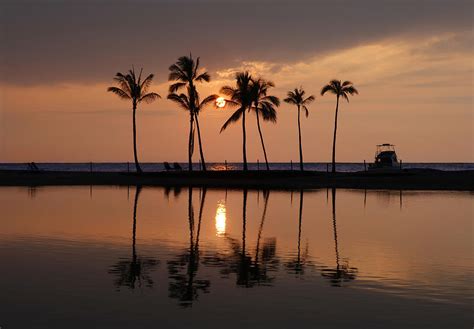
<point>185,72</point>
<point>240,96</point>
<point>265,105</point>
<point>134,89</point>
<point>340,89</point>
<point>296,97</point>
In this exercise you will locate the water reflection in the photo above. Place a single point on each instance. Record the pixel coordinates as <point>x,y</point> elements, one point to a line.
<point>342,273</point>
<point>221,218</point>
<point>297,265</point>
<point>183,269</point>
<point>137,269</point>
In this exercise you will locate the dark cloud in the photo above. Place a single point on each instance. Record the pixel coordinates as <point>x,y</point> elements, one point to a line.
<point>46,42</point>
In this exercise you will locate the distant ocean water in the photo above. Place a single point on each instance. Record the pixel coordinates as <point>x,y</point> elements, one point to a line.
<point>153,167</point>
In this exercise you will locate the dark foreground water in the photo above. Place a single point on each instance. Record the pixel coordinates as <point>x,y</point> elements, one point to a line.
<point>151,167</point>
<point>109,257</point>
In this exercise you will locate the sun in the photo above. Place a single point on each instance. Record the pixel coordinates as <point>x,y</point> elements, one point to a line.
<point>220,102</point>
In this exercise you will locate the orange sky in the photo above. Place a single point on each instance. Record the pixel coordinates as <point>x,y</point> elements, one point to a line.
<point>416,91</point>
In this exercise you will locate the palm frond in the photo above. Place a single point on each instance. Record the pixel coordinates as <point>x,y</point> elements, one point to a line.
<point>149,98</point>
<point>176,86</point>
<point>350,90</point>
<point>308,99</point>
<point>207,100</point>
<point>181,100</point>
<point>272,99</point>
<point>233,118</point>
<point>306,112</point>
<point>344,95</point>
<point>146,83</point>
<point>122,94</point>
<point>203,77</point>
<point>328,88</point>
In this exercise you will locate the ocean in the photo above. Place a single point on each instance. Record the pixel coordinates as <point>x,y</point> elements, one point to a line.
<point>158,166</point>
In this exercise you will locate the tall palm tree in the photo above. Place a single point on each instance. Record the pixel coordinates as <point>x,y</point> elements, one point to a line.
<point>240,96</point>
<point>296,97</point>
<point>132,88</point>
<point>265,105</point>
<point>340,89</point>
<point>185,72</point>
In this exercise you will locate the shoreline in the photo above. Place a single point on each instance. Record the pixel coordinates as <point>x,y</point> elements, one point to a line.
<point>407,179</point>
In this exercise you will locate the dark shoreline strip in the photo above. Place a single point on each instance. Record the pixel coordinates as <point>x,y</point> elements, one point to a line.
<point>410,179</point>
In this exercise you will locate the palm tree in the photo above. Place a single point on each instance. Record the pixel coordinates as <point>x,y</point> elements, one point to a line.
<point>296,97</point>
<point>265,105</point>
<point>185,72</point>
<point>343,90</point>
<point>240,96</point>
<point>184,102</point>
<point>134,89</point>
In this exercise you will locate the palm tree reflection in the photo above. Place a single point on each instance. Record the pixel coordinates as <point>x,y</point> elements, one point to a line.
<point>297,266</point>
<point>135,270</point>
<point>183,269</point>
<point>250,271</point>
<point>342,272</point>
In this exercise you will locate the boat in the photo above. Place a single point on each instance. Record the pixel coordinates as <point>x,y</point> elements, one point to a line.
<point>385,158</point>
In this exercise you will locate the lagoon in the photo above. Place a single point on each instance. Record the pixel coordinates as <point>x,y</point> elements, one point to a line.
<point>213,258</point>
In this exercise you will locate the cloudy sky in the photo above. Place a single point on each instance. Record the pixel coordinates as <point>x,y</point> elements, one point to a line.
<point>412,62</point>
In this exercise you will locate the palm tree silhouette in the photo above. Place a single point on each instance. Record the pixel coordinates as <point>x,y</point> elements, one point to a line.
<point>132,88</point>
<point>265,105</point>
<point>240,96</point>
<point>129,271</point>
<point>340,89</point>
<point>185,72</point>
<point>296,97</point>
<point>342,272</point>
<point>184,286</point>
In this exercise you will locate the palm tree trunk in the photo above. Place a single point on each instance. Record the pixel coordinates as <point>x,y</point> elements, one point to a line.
<point>137,165</point>
<point>244,141</point>
<point>201,152</point>
<point>190,142</point>
<point>244,220</point>
<point>299,138</point>
<point>261,139</point>
<point>334,138</point>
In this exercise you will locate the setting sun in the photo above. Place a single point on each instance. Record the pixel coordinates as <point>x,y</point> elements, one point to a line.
<point>220,102</point>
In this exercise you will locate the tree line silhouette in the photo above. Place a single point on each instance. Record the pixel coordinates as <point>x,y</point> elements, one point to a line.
<point>249,94</point>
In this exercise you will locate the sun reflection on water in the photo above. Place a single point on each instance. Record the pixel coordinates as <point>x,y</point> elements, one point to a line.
<point>220,218</point>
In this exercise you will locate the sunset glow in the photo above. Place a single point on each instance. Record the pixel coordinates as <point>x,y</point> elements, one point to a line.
<point>220,102</point>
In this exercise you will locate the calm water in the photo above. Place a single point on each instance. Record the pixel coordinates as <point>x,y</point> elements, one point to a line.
<point>109,257</point>
<point>150,167</point>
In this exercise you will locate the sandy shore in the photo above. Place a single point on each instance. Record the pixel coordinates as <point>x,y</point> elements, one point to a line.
<point>414,179</point>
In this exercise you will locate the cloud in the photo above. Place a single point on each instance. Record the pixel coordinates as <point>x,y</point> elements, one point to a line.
<point>48,42</point>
